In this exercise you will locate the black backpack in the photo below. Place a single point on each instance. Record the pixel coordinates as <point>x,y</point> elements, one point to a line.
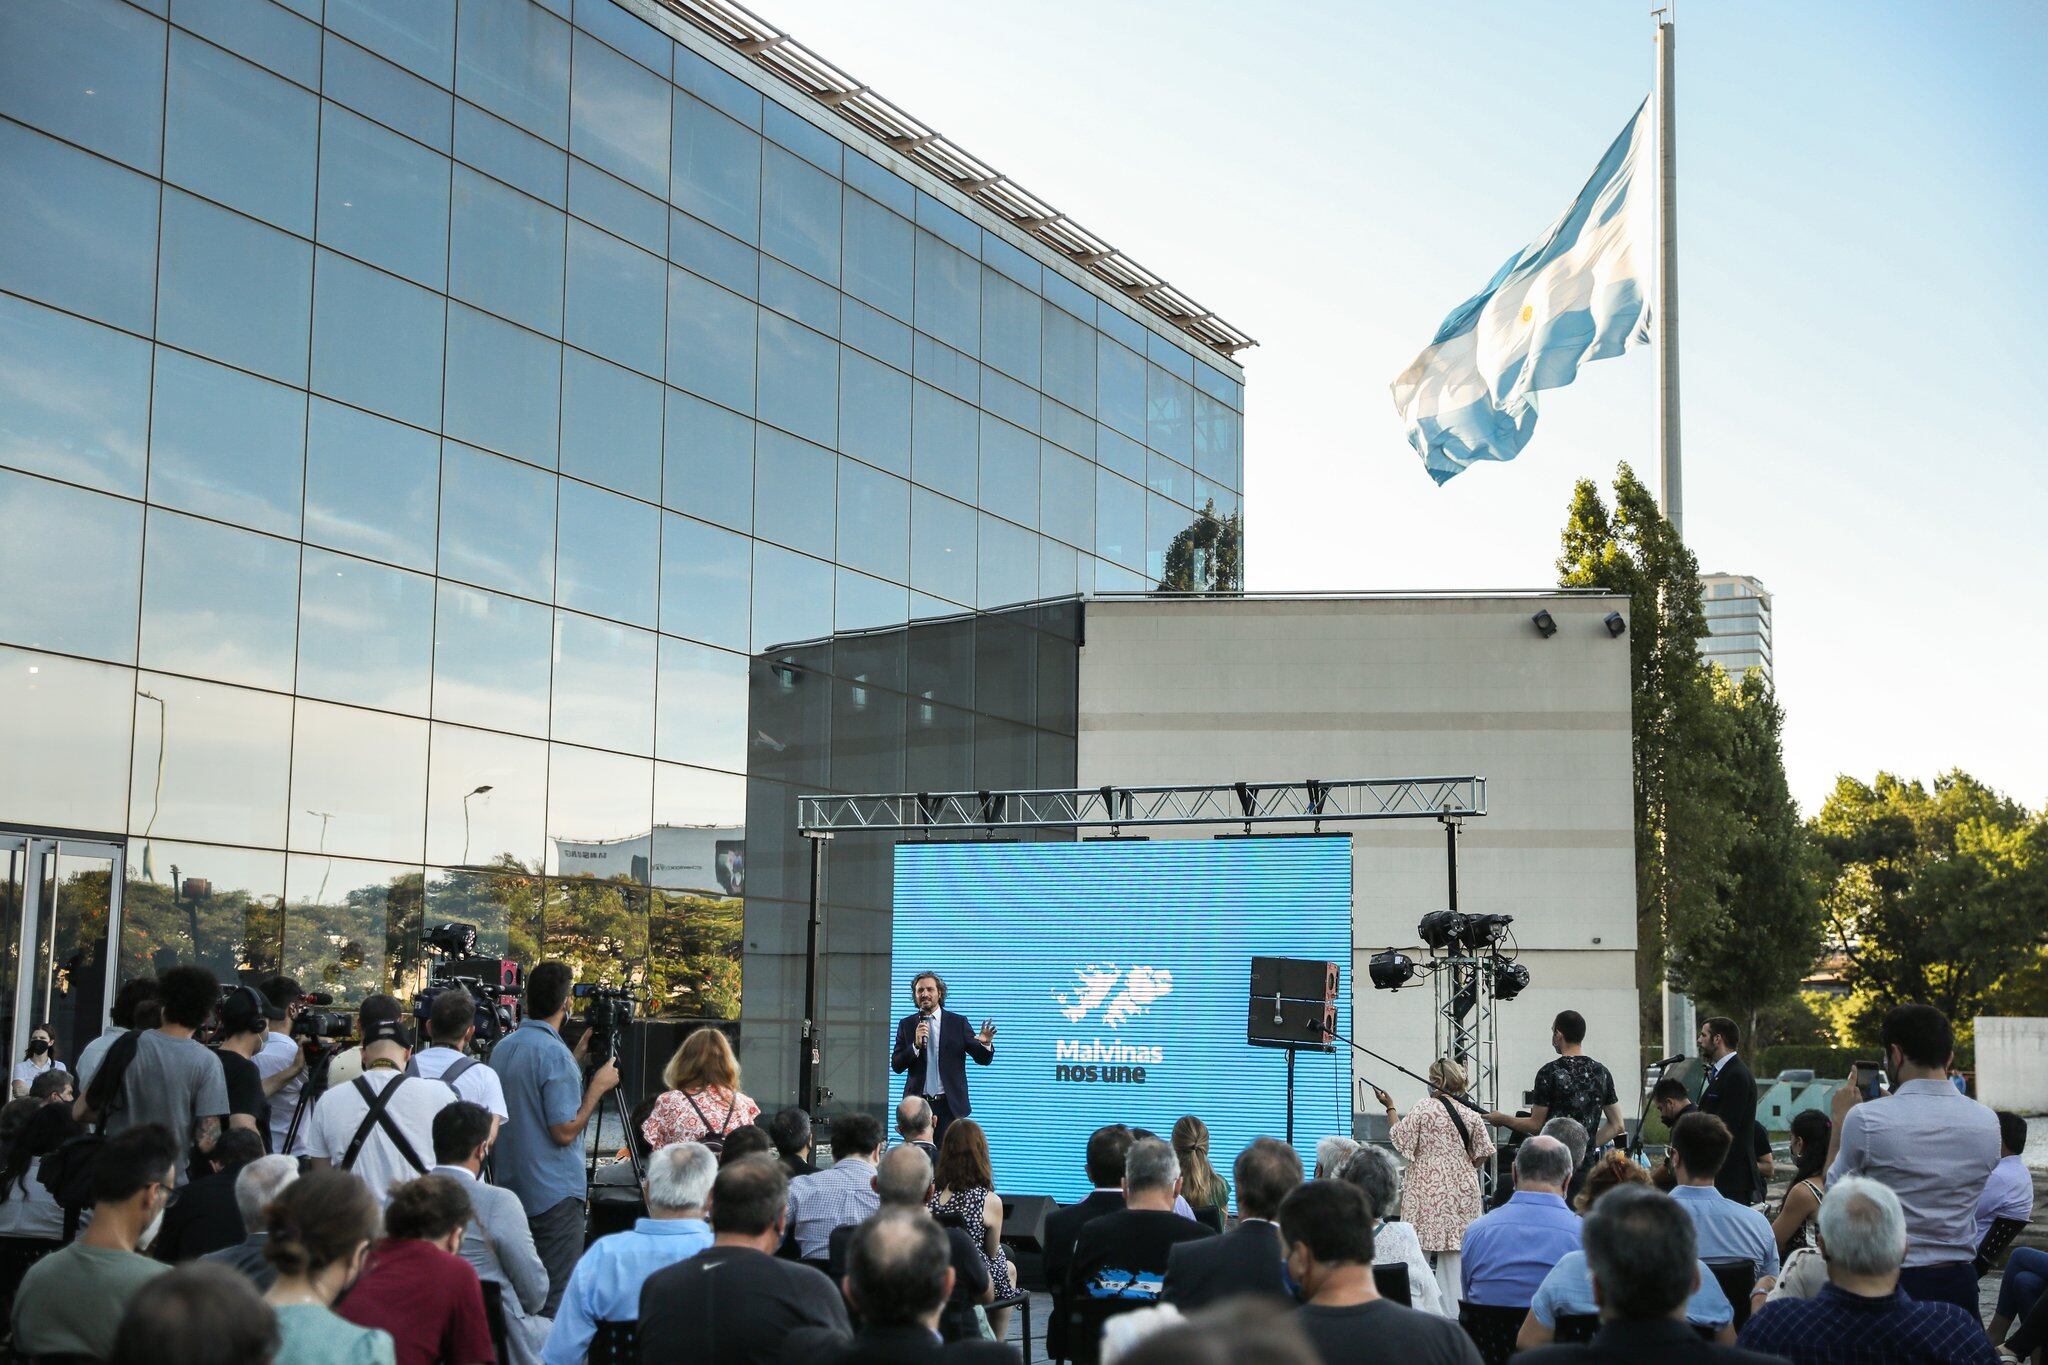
<point>67,1172</point>
<point>711,1142</point>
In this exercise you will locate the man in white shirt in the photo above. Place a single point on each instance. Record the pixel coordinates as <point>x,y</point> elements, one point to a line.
<point>451,1022</point>
<point>380,1125</point>
<point>280,1053</point>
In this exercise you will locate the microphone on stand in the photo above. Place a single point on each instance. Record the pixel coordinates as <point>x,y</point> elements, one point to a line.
<point>1669,1061</point>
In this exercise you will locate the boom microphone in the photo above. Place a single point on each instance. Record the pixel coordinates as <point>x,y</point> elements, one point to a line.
<point>1669,1061</point>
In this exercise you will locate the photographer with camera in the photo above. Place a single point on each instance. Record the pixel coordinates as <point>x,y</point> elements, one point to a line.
<point>451,1027</point>
<point>540,1156</point>
<point>381,1124</point>
<point>282,1062</point>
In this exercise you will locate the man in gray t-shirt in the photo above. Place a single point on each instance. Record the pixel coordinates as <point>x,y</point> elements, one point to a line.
<point>173,1079</point>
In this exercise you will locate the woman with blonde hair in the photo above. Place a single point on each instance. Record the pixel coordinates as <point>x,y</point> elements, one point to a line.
<point>1200,1183</point>
<point>703,1101</point>
<point>1444,1144</point>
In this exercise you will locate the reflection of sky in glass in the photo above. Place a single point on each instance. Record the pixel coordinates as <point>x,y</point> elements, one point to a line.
<point>67,722</point>
<point>226,762</point>
<point>594,797</point>
<point>239,626</point>
<point>74,398</point>
<point>604,684</point>
<point>366,633</point>
<point>83,552</point>
<point>359,782</point>
<point>468,827</point>
<point>702,706</point>
<point>373,487</point>
<point>226,445</point>
<point>491,659</point>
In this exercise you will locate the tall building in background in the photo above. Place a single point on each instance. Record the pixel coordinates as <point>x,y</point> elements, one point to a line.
<point>1738,623</point>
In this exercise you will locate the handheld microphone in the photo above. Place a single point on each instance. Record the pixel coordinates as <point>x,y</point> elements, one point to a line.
<point>1669,1061</point>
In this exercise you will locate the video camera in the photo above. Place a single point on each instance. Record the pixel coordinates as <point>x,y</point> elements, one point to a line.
<point>606,1016</point>
<point>317,1026</point>
<point>494,983</point>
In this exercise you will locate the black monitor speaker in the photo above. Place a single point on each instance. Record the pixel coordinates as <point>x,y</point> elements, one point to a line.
<point>1293,1003</point>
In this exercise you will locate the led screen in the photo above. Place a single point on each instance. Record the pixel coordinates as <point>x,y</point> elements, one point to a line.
<point>1118,975</point>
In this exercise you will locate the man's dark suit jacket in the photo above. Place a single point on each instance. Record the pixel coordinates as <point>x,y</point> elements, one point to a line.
<point>957,1042</point>
<point>1666,1341</point>
<point>1731,1097</point>
<point>1249,1259</point>
<point>889,1346</point>
<point>1062,1229</point>
<point>202,1218</point>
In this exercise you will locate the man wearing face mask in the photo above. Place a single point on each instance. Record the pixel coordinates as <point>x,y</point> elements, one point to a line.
<point>933,1046</point>
<point>70,1302</point>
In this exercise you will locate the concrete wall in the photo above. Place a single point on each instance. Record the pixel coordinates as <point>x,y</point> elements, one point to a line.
<point>2012,1064</point>
<point>1284,689</point>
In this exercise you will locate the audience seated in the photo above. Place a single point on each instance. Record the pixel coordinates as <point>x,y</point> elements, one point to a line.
<point>70,1302</point>
<point>1243,1331</point>
<point>1207,1192</point>
<point>1861,1312</point>
<point>1122,1256</point>
<point>903,1180</point>
<point>1643,1256</point>
<point>752,1140</point>
<point>205,1218</point>
<point>27,1208</point>
<point>843,1193</point>
<point>498,1243</point>
<point>2009,1193</point>
<point>320,1229</point>
<point>899,1275</point>
<point>1573,1135</point>
<point>1331,1154</point>
<point>1250,1258</point>
<point>607,1282</point>
<point>197,1315</point>
<point>1104,1164</point>
<point>735,1302</point>
<point>416,1287</point>
<point>914,1124</point>
<point>964,1192</point>
<point>1377,1176</point>
<point>790,1130</point>
<point>1507,1252</point>
<point>1725,1229</point>
<point>257,1186</point>
<point>1328,1228</point>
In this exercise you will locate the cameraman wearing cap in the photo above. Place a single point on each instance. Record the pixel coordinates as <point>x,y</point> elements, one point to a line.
<point>380,1124</point>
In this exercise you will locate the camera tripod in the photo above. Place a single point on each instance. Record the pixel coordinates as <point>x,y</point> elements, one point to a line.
<point>615,1102</point>
<point>309,1094</point>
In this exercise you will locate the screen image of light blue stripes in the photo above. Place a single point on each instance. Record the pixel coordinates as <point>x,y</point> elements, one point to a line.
<point>1118,974</point>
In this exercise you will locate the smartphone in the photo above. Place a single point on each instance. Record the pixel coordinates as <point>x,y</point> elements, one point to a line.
<point>1872,1076</point>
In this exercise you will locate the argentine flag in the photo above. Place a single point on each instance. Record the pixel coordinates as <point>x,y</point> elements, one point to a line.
<point>1579,292</point>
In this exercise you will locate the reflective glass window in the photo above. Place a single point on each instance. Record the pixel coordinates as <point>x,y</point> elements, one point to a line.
<point>383,198</point>
<point>794,492</point>
<point>878,248</point>
<point>617,207</point>
<point>366,633</point>
<point>607,554</point>
<point>1068,347</point>
<point>704,250</point>
<point>1008,564</point>
<point>943,367</point>
<point>799,213</point>
<point>492,659</point>
<point>1066,496</point>
<point>373,487</point>
<point>1113,450</point>
<point>497,522</point>
<point>200,616</point>
<point>865,603</point>
<point>397,99</point>
<point>867,747</point>
<point>417,34</point>
<point>939,748</point>
<point>68,722</point>
<point>502,387</point>
<point>874,412</point>
<point>708,462</point>
<point>511,154</point>
<point>944,438</point>
<point>699,843</point>
<point>702,717</point>
<point>506,251</point>
<point>706,582</point>
<point>1059,569</point>
<point>74,563</point>
<point>1005,754</point>
<point>513,59</point>
<point>1111,578</point>
<point>1120,389</point>
<point>1168,479</point>
<point>874,521</point>
<point>801,136</point>
<point>611,426</point>
<point>1009,471</point>
<point>948,294</point>
<point>799,381</point>
<point>711,341</point>
<point>942,554</point>
<point>1218,433</point>
<point>1113,322</point>
<point>1169,357</point>
<point>1119,520</point>
<point>998,254</point>
<point>359,782</point>
<point>1058,422</point>
<point>377,340</point>
<point>89,71</point>
<point>716,171</point>
<point>1009,400</point>
<point>789,717</point>
<point>78,231</point>
<point>941,662</point>
<point>210,762</point>
<point>218,908</point>
<point>619,116</point>
<point>1164,521</point>
<point>264,33</point>
<point>234,289</point>
<point>595,798</point>
<point>717,87</point>
<point>240,136</point>
<point>878,334</point>
<point>884,187</point>
<point>74,397</point>
<point>614,305</point>
<point>604,684</point>
<point>345,919</point>
<point>792,597</point>
<point>226,444</point>
<point>796,295</point>
<point>1009,327</point>
<point>487,798</point>
<point>1169,422</point>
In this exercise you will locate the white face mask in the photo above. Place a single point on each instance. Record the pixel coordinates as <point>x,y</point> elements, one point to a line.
<point>149,1233</point>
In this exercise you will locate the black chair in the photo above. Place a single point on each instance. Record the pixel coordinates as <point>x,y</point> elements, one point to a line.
<point>1392,1282</point>
<point>613,1208</point>
<point>1085,1318</point>
<point>1021,1301</point>
<point>1737,1277</point>
<point>1492,1329</point>
<point>616,1343</point>
<point>1996,1239</point>
<point>1576,1327</point>
<point>494,1315</point>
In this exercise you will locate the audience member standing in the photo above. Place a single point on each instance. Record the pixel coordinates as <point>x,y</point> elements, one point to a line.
<point>607,1282</point>
<point>257,1186</point>
<point>205,1218</point>
<point>1724,1227</point>
<point>965,1192</point>
<point>282,1062</point>
<point>1444,1144</point>
<point>1935,1147</point>
<point>914,1125</point>
<point>1373,1171</point>
<point>497,1243</point>
<point>842,1193</point>
<point>1571,1085</point>
<point>1250,1258</point>
<point>1123,1255</point>
<point>540,1148</point>
<point>27,1208</point>
<point>1861,1314</point>
<point>1507,1252</point>
<point>38,1060</point>
<point>320,1231</point>
<point>122,1017</point>
<point>243,1025</point>
<point>703,1101</point>
<point>1327,1227</point>
<point>163,1075</point>
<point>416,1287</point>
<point>381,1124</point>
<point>898,1277</point>
<point>1730,1096</point>
<point>451,1026</point>
<point>196,1315</point>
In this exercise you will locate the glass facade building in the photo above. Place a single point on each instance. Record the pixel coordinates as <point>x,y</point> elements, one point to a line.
<point>479,461</point>
<point>1738,635</point>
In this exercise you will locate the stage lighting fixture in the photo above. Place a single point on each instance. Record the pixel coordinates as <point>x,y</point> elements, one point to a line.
<point>1483,931</point>
<point>1510,979</point>
<point>1615,625</point>
<point>1248,802</point>
<point>1546,624</point>
<point>1391,970</point>
<point>1440,928</point>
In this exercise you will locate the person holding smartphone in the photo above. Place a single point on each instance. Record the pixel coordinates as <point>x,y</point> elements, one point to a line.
<point>933,1045</point>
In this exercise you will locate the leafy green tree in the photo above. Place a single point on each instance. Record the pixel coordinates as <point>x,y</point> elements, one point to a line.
<point>1207,556</point>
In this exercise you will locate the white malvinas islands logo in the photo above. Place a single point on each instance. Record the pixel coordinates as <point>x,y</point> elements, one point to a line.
<point>1100,981</point>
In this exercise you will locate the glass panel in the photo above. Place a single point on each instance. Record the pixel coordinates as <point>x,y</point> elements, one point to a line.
<point>1120,389</point>
<point>383,198</point>
<point>240,136</point>
<point>702,717</point>
<point>874,521</point>
<point>694,939</point>
<point>594,798</point>
<point>188,904</point>
<point>372,486</point>
<point>789,717</point>
<point>264,33</point>
<point>72,561</point>
<point>878,334</point>
<point>608,554</point>
<point>615,300</point>
<point>227,445</point>
<point>706,581</point>
<point>799,214</point>
<point>874,412</point>
<point>1120,453</point>
<point>505,250</point>
<point>878,255</point>
<point>89,71</point>
<point>497,522</point>
<point>1009,471</point>
<point>504,907</point>
<point>611,426</point>
<point>1069,348</point>
<point>397,99</point>
<point>351,928</point>
<point>957,373</point>
<point>377,340</point>
<point>79,232</point>
<point>941,546</point>
<point>794,492</point>
<point>210,762</point>
<point>514,61</point>
<point>1119,520</point>
<point>512,155</point>
<point>708,462</point>
<point>503,386</point>
<point>938,751</point>
<point>604,684</point>
<point>1164,521</point>
<point>944,440</point>
<point>487,799</point>
<point>1009,327</point>
<point>200,617</point>
<point>1009,564</point>
<point>417,34</point>
<point>717,87</point>
<point>624,32</point>
<point>69,723</point>
<point>617,207</point>
<point>797,295</point>
<point>792,597</point>
<point>1011,401</point>
<point>493,657</point>
<point>366,633</point>
<point>1005,754</point>
<point>716,173</point>
<point>863,603</point>
<point>618,116</point>
<point>1058,422</point>
<point>1169,425</point>
<point>710,341</point>
<point>806,139</point>
<point>706,251</point>
<point>1168,479</point>
<point>1114,323</point>
<point>359,782</point>
<point>1215,440</point>
<point>1059,569</point>
<point>234,289</point>
<point>948,294</point>
<point>799,380</point>
<point>74,398</point>
<point>867,740</point>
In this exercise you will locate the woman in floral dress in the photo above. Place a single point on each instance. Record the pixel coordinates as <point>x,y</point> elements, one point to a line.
<point>1444,1144</point>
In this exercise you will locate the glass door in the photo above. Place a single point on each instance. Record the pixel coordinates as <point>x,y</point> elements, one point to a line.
<point>14,883</point>
<point>60,910</point>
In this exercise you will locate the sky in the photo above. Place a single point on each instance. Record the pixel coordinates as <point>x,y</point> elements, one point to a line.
<point>1862,189</point>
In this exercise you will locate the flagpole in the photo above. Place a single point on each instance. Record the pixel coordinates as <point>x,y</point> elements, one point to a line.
<point>1670,486</point>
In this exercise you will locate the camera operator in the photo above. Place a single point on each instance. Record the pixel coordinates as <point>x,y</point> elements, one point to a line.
<point>540,1147</point>
<point>282,1062</point>
<point>244,1024</point>
<point>451,1027</point>
<point>380,1124</point>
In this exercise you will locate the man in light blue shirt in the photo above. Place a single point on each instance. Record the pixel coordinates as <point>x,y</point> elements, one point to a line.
<point>540,1146</point>
<point>1726,1230</point>
<point>1507,1252</point>
<point>606,1284</point>
<point>843,1192</point>
<point>2009,1193</point>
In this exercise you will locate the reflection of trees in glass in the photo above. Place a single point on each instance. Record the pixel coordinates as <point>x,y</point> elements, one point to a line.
<point>694,956</point>
<point>366,939</point>
<point>599,927</point>
<point>1207,556</point>
<point>224,929</point>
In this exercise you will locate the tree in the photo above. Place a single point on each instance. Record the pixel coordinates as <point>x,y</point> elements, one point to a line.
<point>1207,555</point>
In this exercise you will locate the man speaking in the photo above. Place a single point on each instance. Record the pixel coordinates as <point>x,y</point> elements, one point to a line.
<point>933,1046</point>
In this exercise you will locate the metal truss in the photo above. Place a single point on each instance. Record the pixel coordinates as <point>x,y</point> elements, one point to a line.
<point>1466,1032</point>
<point>1311,802</point>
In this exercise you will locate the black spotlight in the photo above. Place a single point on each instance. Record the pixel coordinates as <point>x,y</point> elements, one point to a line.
<point>1546,624</point>
<point>1510,979</point>
<point>1440,928</point>
<point>1391,970</point>
<point>1615,625</point>
<point>1483,931</point>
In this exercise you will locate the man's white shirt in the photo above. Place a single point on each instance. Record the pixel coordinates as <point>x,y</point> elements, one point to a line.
<point>340,1113</point>
<point>279,1049</point>
<point>479,1084</point>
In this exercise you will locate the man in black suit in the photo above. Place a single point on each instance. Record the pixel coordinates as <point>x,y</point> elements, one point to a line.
<point>1642,1253</point>
<point>1107,1148</point>
<point>903,1180</point>
<point>1730,1096</point>
<point>933,1045</point>
<point>1250,1258</point>
<point>898,1277</point>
